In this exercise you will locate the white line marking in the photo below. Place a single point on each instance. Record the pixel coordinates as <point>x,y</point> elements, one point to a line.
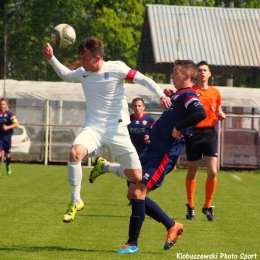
<point>236,177</point>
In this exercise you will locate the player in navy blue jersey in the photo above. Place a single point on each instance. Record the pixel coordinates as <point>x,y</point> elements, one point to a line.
<point>8,121</point>
<point>140,127</point>
<point>165,148</point>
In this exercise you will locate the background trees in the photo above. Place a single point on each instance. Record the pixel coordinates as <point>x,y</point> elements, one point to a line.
<point>27,26</point>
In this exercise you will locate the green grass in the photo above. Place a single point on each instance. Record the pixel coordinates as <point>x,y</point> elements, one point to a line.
<point>34,198</point>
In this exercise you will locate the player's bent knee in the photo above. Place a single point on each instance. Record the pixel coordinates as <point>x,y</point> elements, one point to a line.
<point>77,153</point>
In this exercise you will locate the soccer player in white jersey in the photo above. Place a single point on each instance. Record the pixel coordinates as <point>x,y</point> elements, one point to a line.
<point>107,113</point>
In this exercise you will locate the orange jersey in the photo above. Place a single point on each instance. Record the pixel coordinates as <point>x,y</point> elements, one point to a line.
<point>211,100</point>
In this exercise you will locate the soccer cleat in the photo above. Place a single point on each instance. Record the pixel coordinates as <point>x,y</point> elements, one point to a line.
<point>209,213</point>
<point>128,249</point>
<point>8,170</point>
<point>72,210</point>
<point>97,170</point>
<point>173,234</point>
<point>190,214</point>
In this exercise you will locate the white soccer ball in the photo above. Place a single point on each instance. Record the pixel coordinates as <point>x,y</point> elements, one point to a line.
<point>63,35</point>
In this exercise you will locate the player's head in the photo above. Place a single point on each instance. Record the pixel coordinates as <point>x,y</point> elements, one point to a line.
<point>138,106</point>
<point>3,104</point>
<point>91,51</point>
<point>184,72</point>
<point>203,72</point>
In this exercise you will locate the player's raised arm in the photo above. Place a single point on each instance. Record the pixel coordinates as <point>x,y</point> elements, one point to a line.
<point>47,51</point>
<point>137,77</point>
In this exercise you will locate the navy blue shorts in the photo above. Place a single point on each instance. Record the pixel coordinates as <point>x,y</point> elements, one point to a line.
<point>156,165</point>
<point>204,141</point>
<point>5,144</point>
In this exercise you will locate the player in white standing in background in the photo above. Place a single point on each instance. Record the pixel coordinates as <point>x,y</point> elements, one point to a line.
<point>107,113</point>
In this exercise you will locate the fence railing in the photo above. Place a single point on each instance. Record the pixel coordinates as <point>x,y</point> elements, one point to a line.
<point>51,131</point>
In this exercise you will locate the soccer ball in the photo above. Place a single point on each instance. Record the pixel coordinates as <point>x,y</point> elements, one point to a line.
<point>63,35</point>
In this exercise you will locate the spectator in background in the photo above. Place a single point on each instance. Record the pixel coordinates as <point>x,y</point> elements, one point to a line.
<point>8,122</point>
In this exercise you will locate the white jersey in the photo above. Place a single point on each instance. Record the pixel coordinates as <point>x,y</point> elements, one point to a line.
<point>104,91</point>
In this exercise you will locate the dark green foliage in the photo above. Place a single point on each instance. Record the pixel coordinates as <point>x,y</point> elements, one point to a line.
<point>28,24</point>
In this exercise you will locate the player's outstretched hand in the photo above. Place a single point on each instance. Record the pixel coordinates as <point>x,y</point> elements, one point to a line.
<point>165,102</point>
<point>168,92</point>
<point>47,51</point>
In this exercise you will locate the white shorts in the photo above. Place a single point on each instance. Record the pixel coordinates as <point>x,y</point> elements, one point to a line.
<point>117,141</point>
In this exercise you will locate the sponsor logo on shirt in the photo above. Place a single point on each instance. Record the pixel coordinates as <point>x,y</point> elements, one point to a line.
<point>106,75</point>
<point>146,176</point>
<point>84,76</point>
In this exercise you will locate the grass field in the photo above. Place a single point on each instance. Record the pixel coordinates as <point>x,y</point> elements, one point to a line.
<point>34,198</point>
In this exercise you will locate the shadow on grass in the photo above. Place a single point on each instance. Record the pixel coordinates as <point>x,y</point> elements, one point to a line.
<point>64,249</point>
<point>50,248</point>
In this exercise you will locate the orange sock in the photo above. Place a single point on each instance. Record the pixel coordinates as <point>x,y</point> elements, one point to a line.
<point>190,190</point>
<point>210,188</point>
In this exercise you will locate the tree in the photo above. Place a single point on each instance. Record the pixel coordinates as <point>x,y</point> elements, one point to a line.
<point>28,24</point>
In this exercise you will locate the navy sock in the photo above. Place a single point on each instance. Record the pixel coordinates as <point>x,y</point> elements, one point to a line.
<point>136,220</point>
<point>154,211</point>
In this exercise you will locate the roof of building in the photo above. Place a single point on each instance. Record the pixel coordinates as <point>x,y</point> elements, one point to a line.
<point>221,36</point>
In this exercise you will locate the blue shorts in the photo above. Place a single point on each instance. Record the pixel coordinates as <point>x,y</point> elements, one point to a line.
<point>157,164</point>
<point>5,144</point>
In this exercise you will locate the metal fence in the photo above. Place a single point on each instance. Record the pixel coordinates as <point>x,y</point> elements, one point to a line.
<point>52,127</point>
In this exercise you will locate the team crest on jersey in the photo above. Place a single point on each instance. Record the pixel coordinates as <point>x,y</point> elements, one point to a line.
<point>106,75</point>
<point>175,97</point>
<point>5,115</point>
<point>144,122</point>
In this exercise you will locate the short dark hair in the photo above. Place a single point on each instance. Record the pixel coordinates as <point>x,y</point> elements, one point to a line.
<point>187,66</point>
<point>137,99</point>
<point>92,44</point>
<point>201,63</point>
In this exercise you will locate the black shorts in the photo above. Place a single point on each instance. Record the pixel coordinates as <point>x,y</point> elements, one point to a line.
<point>203,142</point>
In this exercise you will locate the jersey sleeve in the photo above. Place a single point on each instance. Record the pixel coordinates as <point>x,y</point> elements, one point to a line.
<point>192,102</point>
<point>63,72</point>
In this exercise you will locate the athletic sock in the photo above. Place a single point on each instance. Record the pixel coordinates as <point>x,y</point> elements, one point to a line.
<point>74,178</point>
<point>154,211</point>
<point>136,220</point>
<point>210,188</point>
<point>190,191</point>
<point>115,169</point>
<point>8,161</point>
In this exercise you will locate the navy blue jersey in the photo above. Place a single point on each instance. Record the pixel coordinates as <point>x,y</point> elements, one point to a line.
<point>6,118</point>
<point>138,128</point>
<point>184,103</point>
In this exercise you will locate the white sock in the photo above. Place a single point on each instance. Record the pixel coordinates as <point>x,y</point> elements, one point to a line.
<point>74,178</point>
<point>115,169</point>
